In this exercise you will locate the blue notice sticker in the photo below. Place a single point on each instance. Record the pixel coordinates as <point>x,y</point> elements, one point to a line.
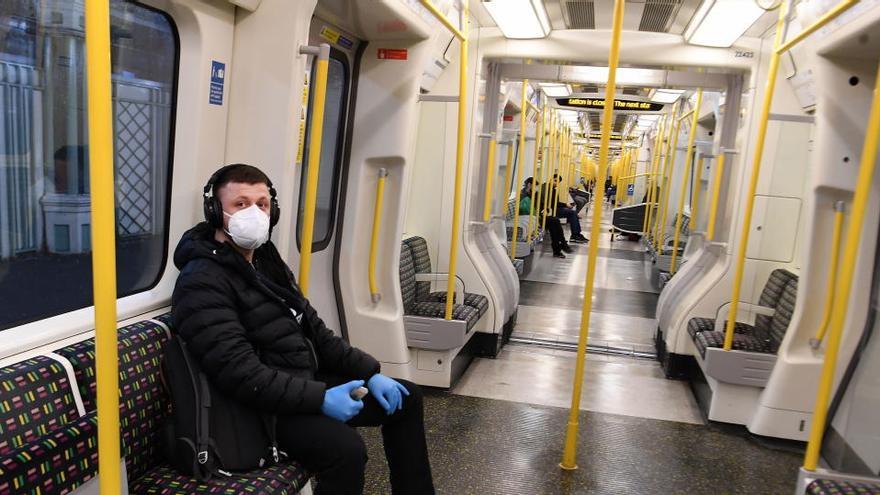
<point>345,42</point>
<point>630,189</point>
<point>218,76</point>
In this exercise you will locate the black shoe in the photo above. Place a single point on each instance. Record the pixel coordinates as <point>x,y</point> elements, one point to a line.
<point>575,240</point>
<point>558,254</point>
<point>567,249</point>
<point>580,237</point>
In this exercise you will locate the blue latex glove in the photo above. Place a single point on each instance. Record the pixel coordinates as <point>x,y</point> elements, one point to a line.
<point>338,403</point>
<point>387,392</point>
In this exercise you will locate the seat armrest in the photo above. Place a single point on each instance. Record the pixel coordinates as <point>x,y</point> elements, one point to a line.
<point>743,307</point>
<point>439,277</point>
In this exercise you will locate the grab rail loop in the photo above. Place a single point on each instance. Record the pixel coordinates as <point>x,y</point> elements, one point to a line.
<point>375,296</point>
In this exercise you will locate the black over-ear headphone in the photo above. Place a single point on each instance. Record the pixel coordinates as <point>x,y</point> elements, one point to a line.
<point>214,210</point>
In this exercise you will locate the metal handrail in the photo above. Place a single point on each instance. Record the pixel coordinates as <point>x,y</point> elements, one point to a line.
<point>839,208</point>
<point>716,192</point>
<point>569,457</point>
<point>671,146</point>
<point>522,163</point>
<point>375,296</point>
<point>688,163</point>
<point>864,183</point>
<point>652,182</point>
<point>100,126</point>
<point>316,137</point>
<point>825,19</point>
<point>490,178</point>
<point>539,136</point>
<point>462,35</point>
<point>546,164</point>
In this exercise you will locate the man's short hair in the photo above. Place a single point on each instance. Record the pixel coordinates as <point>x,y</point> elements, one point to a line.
<point>241,173</point>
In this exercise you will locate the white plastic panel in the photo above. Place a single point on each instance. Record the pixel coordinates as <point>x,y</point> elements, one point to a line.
<point>775,223</point>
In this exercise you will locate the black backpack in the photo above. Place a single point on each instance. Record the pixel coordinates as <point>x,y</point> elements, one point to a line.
<point>209,433</point>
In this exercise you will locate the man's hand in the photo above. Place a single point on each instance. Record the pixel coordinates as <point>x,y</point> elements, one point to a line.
<point>338,403</point>
<point>387,392</point>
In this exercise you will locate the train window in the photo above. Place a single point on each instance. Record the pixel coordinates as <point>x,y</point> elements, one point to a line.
<point>45,244</point>
<point>331,152</point>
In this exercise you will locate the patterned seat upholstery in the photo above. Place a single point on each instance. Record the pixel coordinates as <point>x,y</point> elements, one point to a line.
<point>421,263</point>
<point>276,480</point>
<point>767,333</point>
<point>829,487</point>
<point>522,226</point>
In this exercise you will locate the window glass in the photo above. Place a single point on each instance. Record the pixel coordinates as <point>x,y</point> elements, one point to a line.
<point>331,153</point>
<point>45,223</point>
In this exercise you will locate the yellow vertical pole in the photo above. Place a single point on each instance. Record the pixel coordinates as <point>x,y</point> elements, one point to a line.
<point>539,136</point>
<point>490,178</point>
<point>569,456</point>
<point>753,179</point>
<point>375,296</point>
<point>688,162</point>
<point>864,183</point>
<point>698,186</point>
<point>832,275</point>
<point>665,138</point>
<point>671,146</point>
<point>459,159</point>
<point>716,191</point>
<point>316,133</point>
<point>652,179</point>
<point>557,160</point>
<point>101,183</point>
<point>546,166</point>
<point>519,168</point>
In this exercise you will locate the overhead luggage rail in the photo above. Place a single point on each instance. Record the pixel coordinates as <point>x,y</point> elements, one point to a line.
<point>375,296</point>
<point>688,162</point>
<point>839,208</point>
<point>462,35</point>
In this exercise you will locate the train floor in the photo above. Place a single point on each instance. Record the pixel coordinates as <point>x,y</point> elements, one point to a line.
<point>500,430</point>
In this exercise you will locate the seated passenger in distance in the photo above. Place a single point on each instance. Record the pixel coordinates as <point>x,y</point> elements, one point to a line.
<point>566,211</point>
<point>239,310</point>
<point>580,198</point>
<point>557,237</point>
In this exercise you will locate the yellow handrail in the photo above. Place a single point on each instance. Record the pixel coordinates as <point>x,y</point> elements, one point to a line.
<point>839,207</point>
<point>460,34</point>
<point>569,457</point>
<point>101,183</point>
<point>663,172</point>
<point>716,191</point>
<point>864,182</point>
<point>374,238</point>
<point>652,182</point>
<point>545,166</point>
<point>688,162</point>
<point>539,135</point>
<point>695,198</point>
<point>753,179</point>
<point>316,136</point>
<point>667,179</point>
<point>490,178</point>
<point>520,166</point>
<point>825,19</point>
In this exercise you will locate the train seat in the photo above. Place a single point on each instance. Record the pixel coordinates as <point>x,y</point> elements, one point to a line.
<point>67,436</point>
<point>835,487</point>
<point>628,219</point>
<point>424,321</point>
<point>758,341</point>
<point>524,245</point>
<point>421,259</point>
<point>663,257</point>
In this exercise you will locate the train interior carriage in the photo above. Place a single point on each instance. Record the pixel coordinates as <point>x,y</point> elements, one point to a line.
<point>623,246</point>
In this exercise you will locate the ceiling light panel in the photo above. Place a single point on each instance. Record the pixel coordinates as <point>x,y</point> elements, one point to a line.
<point>519,19</point>
<point>666,95</point>
<point>720,23</point>
<point>556,90</point>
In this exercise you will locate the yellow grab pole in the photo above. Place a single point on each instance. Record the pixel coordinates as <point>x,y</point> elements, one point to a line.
<point>316,134</point>
<point>667,178</point>
<point>490,178</point>
<point>698,186</point>
<point>545,169</point>
<point>839,207</point>
<point>753,179</point>
<point>662,171</point>
<point>864,182</point>
<point>652,180</point>
<point>459,157</point>
<point>460,34</point>
<point>825,19</point>
<point>557,150</point>
<point>519,168</point>
<point>101,183</point>
<point>716,191</point>
<point>539,135</point>
<point>688,162</point>
<point>508,170</point>
<point>569,456</point>
<point>375,296</point>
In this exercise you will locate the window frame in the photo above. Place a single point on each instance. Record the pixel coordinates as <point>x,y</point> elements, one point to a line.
<point>342,134</point>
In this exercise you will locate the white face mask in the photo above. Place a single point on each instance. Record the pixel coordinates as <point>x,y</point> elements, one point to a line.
<point>248,228</point>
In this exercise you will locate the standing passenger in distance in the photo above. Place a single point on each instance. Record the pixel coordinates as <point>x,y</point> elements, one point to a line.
<point>242,315</point>
<point>564,210</point>
<point>557,237</point>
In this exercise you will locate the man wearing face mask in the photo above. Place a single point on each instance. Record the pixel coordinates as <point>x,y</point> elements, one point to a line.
<point>238,308</point>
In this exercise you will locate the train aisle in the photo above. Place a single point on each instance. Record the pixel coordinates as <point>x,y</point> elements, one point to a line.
<point>500,430</point>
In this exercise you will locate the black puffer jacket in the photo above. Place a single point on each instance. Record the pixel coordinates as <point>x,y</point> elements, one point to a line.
<point>237,321</point>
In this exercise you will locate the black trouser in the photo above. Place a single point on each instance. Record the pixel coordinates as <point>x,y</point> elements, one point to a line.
<point>336,454</point>
<point>572,217</point>
<point>557,237</point>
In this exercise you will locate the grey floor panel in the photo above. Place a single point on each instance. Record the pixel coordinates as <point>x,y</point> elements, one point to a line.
<point>564,325</point>
<point>486,447</point>
<point>625,302</point>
